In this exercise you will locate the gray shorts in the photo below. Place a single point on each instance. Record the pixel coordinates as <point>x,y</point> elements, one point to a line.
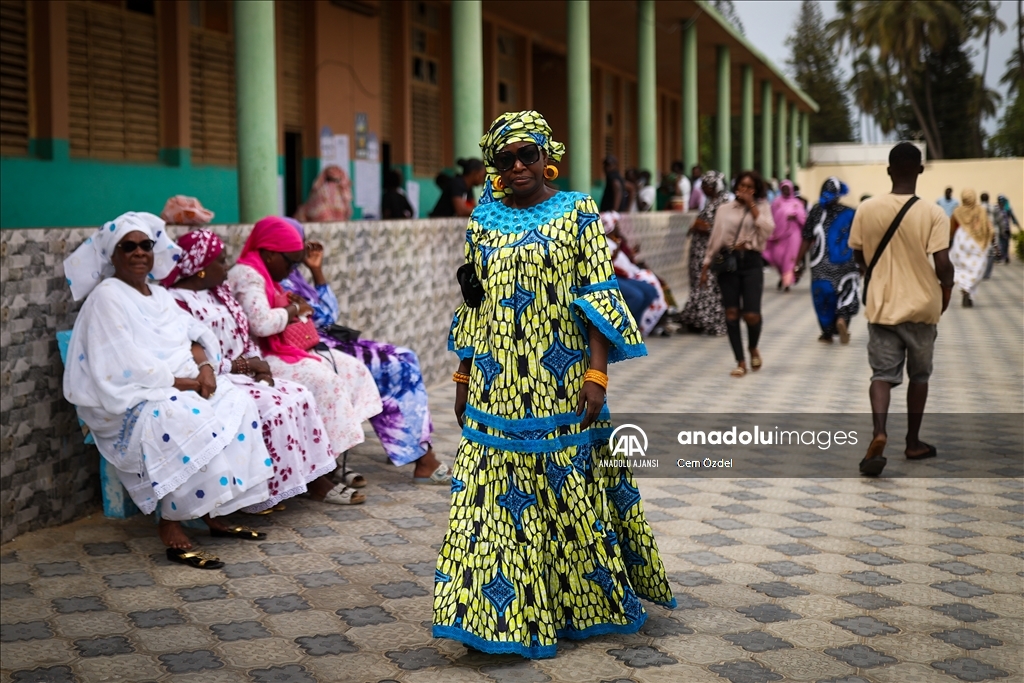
<point>890,346</point>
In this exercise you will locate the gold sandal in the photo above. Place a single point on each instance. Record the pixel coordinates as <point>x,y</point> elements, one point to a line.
<point>738,371</point>
<point>194,558</point>
<point>243,532</point>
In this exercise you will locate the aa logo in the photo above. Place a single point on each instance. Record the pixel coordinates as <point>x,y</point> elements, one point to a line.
<point>628,441</point>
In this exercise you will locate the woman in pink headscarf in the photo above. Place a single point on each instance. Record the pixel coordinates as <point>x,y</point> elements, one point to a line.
<point>329,200</point>
<point>784,244</point>
<point>344,389</point>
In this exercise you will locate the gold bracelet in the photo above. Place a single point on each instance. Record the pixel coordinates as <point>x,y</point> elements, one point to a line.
<point>597,377</point>
<point>460,378</point>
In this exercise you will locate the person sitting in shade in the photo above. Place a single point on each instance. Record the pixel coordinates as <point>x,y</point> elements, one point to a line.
<point>143,375</point>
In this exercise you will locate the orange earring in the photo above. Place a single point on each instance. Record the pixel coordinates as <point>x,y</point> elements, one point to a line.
<point>550,172</point>
<point>498,185</point>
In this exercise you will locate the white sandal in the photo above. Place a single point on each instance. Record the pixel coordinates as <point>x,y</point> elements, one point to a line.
<point>441,476</point>
<point>349,478</point>
<point>343,495</point>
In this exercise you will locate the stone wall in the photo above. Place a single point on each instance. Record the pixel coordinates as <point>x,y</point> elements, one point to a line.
<point>394,280</point>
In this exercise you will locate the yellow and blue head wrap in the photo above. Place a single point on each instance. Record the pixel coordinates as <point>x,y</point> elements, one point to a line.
<point>514,126</point>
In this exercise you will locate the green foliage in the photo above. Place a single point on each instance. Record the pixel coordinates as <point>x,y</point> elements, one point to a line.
<point>728,11</point>
<point>912,69</point>
<point>946,86</point>
<point>1009,139</point>
<point>814,68</point>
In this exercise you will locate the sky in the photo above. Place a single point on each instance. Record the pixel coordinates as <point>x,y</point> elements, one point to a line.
<point>767,23</point>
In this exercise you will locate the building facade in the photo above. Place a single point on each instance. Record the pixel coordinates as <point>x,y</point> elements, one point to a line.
<point>111,105</point>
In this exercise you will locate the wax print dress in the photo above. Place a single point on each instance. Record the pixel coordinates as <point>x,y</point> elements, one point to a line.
<point>835,278</point>
<point>544,542</point>
<point>292,428</point>
<point>403,426</point>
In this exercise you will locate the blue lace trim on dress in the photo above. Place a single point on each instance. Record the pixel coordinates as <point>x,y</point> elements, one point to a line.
<point>494,647</point>
<point>558,443</point>
<point>619,350</point>
<point>611,283</point>
<point>530,423</point>
<point>508,220</point>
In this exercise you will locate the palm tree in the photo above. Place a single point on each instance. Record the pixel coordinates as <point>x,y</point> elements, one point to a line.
<point>982,20</point>
<point>900,33</point>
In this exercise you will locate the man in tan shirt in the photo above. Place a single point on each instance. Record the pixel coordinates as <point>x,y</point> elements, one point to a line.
<point>906,297</point>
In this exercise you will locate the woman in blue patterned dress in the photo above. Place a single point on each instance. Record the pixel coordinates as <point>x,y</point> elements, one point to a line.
<point>544,541</point>
<point>403,426</point>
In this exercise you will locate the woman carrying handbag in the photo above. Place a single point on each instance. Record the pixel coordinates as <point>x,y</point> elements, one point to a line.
<point>744,223</point>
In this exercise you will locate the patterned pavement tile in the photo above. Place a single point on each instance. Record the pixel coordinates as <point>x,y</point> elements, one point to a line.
<point>901,580</point>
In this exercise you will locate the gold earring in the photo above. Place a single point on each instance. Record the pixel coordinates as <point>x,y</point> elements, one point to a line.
<point>202,274</point>
<point>550,172</point>
<point>498,185</point>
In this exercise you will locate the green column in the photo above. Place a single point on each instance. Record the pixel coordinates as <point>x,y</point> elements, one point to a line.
<point>646,87</point>
<point>256,84</point>
<point>794,133</point>
<point>691,142</point>
<point>781,167</point>
<point>578,67</point>
<point>467,77</point>
<point>767,165</point>
<point>723,127</point>
<point>747,119</point>
<point>805,138</point>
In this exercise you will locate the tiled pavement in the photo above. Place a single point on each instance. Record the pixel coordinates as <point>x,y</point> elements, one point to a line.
<point>896,580</point>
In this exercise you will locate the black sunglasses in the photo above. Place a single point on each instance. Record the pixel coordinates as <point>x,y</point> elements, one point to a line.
<point>127,246</point>
<point>528,154</point>
<point>292,265</point>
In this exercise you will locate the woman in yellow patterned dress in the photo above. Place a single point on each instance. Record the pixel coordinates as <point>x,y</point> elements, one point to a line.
<point>543,543</point>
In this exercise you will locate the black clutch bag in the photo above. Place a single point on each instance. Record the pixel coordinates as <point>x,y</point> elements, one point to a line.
<point>472,289</point>
<point>342,333</point>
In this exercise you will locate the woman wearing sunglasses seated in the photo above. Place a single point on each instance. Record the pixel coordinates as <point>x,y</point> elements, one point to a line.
<point>545,539</point>
<point>344,389</point>
<point>142,374</point>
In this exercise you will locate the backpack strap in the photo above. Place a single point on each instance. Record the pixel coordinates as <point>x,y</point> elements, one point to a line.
<point>884,243</point>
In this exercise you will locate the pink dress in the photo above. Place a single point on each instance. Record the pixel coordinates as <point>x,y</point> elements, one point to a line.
<point>784,243</point>
<point>293,430</point>
<point>344,389</point>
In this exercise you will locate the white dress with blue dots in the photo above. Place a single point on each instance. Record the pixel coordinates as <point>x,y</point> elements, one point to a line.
<point>193,456</point>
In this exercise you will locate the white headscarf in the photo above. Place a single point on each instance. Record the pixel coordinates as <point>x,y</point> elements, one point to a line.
<point>90,263</point>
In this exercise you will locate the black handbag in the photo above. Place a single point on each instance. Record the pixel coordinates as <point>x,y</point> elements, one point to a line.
<point>724,261</point>
<point>472,288</point>
<point>342,333</point>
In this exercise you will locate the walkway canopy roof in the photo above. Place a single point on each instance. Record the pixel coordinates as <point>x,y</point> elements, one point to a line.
<point>613,43</point>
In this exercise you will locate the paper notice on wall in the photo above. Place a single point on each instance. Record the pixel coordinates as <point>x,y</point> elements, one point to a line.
<point>367,187</point>
<point>412,193</point>
<point>333,150</point>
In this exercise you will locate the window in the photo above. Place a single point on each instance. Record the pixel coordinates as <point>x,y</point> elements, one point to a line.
<point>508,71</point>
<point>13,77</point>
<point>113,81</point>
<point>425,43</point>
<point>291,64</point>
<point>212,83</point>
